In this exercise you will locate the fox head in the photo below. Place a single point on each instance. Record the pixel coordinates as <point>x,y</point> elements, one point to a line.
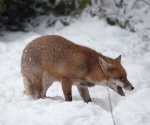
<point>115,75</point>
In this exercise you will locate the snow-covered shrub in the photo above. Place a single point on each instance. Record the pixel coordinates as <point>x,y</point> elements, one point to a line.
<point>127,14</point>
<point>17,13</point>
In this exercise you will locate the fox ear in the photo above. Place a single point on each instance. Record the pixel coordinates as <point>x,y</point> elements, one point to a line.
<point>103,63</point>
<point>118,59</point>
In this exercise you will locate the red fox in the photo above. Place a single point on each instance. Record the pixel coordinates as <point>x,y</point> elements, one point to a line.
<point>53,58</point>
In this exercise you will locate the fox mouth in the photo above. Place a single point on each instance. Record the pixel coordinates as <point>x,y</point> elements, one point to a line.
<point>120,91</point>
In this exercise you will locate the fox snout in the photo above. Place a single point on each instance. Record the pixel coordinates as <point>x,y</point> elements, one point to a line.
<point>128,87</point>
<point>118,86</point>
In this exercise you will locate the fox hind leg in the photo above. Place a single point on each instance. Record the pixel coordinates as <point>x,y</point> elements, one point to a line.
<point>29,87</point>
<point>33,87</point>
<point>39,87</point>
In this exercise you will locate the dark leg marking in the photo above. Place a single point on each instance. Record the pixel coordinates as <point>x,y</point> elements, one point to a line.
<point>70,96</point>
<point>89,100</point>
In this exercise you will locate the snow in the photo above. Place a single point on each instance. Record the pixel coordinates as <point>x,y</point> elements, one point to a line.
<point>133,109</point>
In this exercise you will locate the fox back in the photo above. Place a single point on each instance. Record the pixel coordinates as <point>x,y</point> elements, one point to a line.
<point>53,58</point>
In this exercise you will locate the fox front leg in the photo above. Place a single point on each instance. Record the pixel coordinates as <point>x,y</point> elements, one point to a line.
<point>84,93</point>
<point>67,88</point>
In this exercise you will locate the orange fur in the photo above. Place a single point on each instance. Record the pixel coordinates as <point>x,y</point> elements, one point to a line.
<point>53,58</point>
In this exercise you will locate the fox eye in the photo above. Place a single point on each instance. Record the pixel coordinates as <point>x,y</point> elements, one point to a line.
<point>122,78</point>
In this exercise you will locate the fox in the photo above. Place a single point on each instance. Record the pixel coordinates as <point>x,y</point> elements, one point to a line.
<point>51,58</point>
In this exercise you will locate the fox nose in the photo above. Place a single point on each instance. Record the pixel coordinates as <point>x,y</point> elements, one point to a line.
<point>132,88</point>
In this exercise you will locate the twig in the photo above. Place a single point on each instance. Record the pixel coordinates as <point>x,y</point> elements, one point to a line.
<point>120,5</point>
<point>115,14</point>
<point>115,2</point>
<point>110,106</point>
<point>138,1</point>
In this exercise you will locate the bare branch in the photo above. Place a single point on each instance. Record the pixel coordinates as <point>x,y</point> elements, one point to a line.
<point>119,5</point>
<point>138,1</point>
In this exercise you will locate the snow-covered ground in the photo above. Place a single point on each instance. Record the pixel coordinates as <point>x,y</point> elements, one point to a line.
<point>133,109</point>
